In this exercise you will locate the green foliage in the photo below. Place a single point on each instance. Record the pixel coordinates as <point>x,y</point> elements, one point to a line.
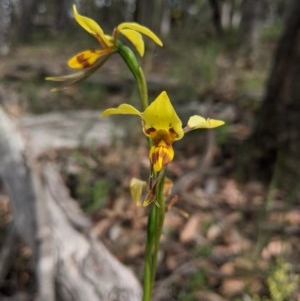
<point>222,134</point>
<point>196,69</point>
<point>195,282</point>
<point>204,250</point>
<point>270,33</point>
<point>98,193</point>
<point>92,189</point>
<point>281,283</point>
<point>207,61</point>
<point>186,296</point>
<point>231,39</point>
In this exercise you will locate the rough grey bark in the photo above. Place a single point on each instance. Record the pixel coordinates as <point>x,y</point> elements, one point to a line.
<point>70,262</point>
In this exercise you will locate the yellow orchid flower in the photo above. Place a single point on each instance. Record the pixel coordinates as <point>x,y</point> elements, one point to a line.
<point>162,125</point>
<point>109,43</point>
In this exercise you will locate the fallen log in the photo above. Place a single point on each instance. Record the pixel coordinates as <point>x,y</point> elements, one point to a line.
<point>70,262</point>
<point>68,130</point>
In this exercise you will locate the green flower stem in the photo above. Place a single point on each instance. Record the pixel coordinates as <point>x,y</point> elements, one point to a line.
<point>159,221</point>
<point>143,89</point>
<point>155,225</point>
<point>130,59</point>
<point>133,65</point>
<point>148,283</point>
<point>157,210</point>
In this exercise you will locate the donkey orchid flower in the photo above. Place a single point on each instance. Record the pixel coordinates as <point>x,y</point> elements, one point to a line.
<point>88,61</point>
<point>162,125</point>
<point>109,43</point>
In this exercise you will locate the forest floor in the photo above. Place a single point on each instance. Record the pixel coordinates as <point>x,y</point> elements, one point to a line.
<point>240,241</point>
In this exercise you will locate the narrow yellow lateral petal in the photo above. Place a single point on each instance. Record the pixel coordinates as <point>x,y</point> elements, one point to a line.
<point>214,123</point>
<point>71,79</point>
<point>199,122</point>
<point>136,39</point>
<point>123,109</point>
<point>88,24</point>
<point>142,29</point>
<point>87,58</point>
<point>160,115</point>
<point>65,77</point>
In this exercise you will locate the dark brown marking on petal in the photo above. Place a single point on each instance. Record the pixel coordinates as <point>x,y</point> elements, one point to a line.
<point>82,61</point>
<point>160,153</point>
<point>150,130</point>
<point>155,156</point>
<point>172,131</point>
<point>165,157</point>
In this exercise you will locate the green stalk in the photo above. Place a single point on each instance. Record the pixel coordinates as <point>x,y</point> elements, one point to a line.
<point>157,209</point>
<point>155,225</point>
<point>133,65</point>
<point>159,221</point>
<point>130,59</point>
<point>148,277</point>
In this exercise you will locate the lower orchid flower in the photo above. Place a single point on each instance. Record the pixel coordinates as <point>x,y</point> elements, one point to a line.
<point>162,125</point>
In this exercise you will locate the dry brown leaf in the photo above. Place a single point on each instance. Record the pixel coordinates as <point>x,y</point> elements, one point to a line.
<point>227,268</point>
<point>274,249</point>
<point>208,296</point>
<point>214,232</point>
<point>231,194</point>
<point>232,287</point>
<point>292,217</point>
<point>191,230</point>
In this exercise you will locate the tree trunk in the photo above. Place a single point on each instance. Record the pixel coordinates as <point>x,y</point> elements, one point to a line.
<point>5,26</point>
<point>70,262</point>
<point>144,12</point>
<point>62,17</point>
<point>165,22</point>
<point>276,137</point>
<point>249,27</point>
<point>216,7</point>
<point>28,9</point>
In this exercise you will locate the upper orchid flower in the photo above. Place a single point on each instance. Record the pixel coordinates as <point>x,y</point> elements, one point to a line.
<point>162,125</point>
<point>109,43</point>
<point>89,60</point>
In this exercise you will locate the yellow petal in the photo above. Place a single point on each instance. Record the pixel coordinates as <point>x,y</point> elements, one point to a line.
<point>136,39</point>
<point>136,189</point>
<point>199,122</point>
<point>87,58</point>
<point>160,115</point>
<point>124,108</point>
<point>88,24</point>
<point>141,29</point>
